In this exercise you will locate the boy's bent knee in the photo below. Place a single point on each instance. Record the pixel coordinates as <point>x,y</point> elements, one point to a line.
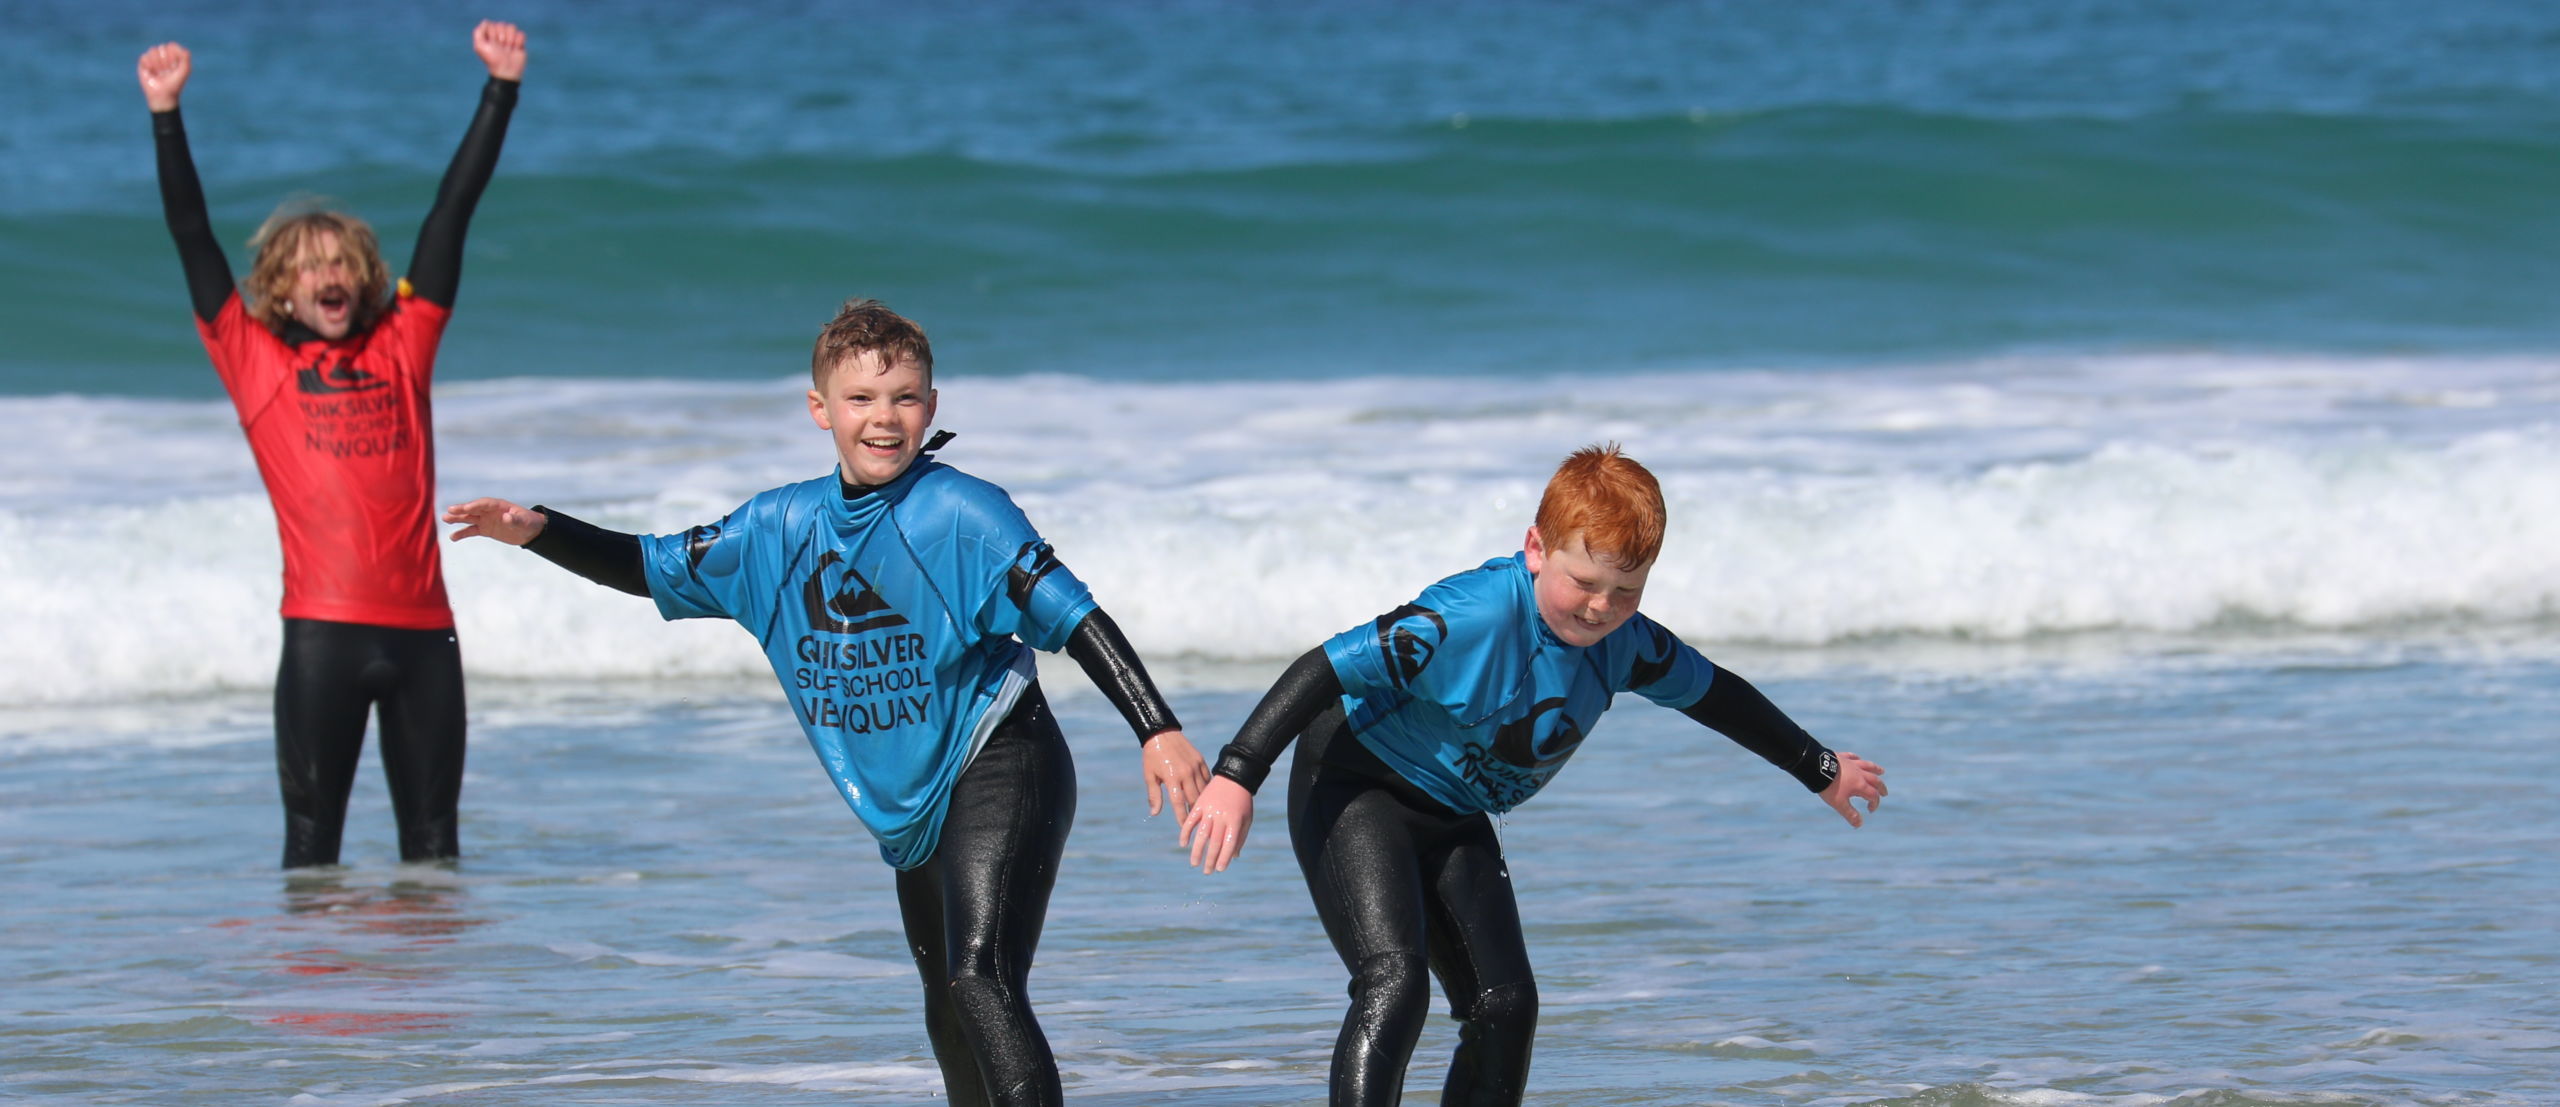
<point>1394,980</point>
<point>1507,1008</point>
<point>979,992</point>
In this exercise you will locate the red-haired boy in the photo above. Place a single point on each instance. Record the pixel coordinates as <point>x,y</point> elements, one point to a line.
<point>1425,722</point>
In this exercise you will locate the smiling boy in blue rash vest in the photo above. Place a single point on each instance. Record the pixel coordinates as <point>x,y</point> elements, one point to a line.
<point>898,600</point>
<point>1423,723</point>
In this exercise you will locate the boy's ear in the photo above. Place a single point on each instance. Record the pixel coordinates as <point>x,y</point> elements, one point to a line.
<point>932,403</point>
<point>818,411</point>
<point>1536,549</point>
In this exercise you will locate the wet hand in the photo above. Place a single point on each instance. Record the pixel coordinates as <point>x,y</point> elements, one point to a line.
<point>1858,777</point>
<point>163,71</point>
<point>489,517</point>
<point>501,48</point>
<point>1218,825</point>
<point>1173,772</point>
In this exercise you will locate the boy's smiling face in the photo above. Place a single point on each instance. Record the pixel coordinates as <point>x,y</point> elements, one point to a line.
<point>1582,596</point>
<point>876,415</point>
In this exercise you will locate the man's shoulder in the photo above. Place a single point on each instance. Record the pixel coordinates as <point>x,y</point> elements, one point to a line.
<point>233,321</point>
<point>411,316</point>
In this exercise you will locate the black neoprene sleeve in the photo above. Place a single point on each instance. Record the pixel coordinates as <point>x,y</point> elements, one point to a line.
<point>182,202</point>
<point>607,557</point>
<point>435,268</point>
<point>1302,692</point>
<point>1735,709</point>
<point>613,559</point>
<point>1107,658</point>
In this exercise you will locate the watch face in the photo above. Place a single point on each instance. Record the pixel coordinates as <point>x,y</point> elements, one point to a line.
<point>1830,765</point>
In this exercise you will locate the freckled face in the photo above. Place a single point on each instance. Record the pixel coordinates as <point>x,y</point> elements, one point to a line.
<point>1582,596</point>
<point>877,415</point>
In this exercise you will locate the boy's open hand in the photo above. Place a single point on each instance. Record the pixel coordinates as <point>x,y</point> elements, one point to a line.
<point>163,71</point>
<point>501,48</point>
<point>1218,823</point>
<point>1174,773</point>
<point>1858,777</point>
<point>489,517</point>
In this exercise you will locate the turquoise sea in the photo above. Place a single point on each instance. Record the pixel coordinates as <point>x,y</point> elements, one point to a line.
<point>2137,425</point>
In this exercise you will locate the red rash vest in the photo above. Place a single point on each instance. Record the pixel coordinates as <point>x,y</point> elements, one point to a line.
<point>341,431</point>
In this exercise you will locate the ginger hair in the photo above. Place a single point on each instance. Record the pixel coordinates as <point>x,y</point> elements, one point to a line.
<point>279,244</point>
<point>866,325</point>
<point>1612,503</point>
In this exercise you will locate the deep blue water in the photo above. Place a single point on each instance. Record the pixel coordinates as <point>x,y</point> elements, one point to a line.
<point>1202,191</point>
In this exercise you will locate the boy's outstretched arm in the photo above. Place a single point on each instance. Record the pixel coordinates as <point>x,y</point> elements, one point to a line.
<point>1735,709</point>
<point>435,267</point>
<point>1219,822</point>
<point>607,557</point>
<point>1171,768</point>
<point>163,71</point>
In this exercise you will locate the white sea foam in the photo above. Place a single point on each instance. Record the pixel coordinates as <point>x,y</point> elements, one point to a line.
<point>2185,494</point>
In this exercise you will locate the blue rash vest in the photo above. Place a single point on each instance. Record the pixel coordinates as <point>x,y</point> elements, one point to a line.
<point>1466,693</point>
<point>900,623</point>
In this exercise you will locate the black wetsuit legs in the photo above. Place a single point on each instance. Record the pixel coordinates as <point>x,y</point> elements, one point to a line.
<point>1402,886</point>
<point>332,676</point>
<point>973,911</point>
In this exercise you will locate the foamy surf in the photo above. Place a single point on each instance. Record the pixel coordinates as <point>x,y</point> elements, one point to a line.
<point>2005,500</point>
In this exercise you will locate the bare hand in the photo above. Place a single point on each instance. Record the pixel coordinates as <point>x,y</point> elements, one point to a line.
<point>1218,823</point>
<point>1174,773</point>
<point>488,517</point>
<point>501,48</point>
<point>1858,777</point>
<point>163,71</point>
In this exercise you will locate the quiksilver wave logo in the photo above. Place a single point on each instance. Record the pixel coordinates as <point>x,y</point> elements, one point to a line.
<point>319,377</point>
<point>351,413</point>
<point>1517,742</point>
<point>880,682</point>
<point>1408,637</point>
<point>847,604</point>
<point>1519,761</point>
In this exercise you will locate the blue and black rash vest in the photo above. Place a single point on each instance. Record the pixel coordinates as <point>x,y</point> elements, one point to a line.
<point>1467,693</point>
<point>900,623</point>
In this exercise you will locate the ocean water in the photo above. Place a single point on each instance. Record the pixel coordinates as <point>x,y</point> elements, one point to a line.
<point>2318,876</point>
<point>2134,425</point>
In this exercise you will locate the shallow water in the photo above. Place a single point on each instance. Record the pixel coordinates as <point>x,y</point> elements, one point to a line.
<point>2309,876</point>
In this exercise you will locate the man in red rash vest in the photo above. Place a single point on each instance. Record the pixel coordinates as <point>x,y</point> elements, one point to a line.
<point>329,369</point>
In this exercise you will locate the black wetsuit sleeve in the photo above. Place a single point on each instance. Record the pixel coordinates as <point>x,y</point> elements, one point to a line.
<point>1735,709</point>
<point>1107,658</point>
<point>182,201</point>
<point>1303,692</point>
<point>607,557</point>
<point>435,268</point>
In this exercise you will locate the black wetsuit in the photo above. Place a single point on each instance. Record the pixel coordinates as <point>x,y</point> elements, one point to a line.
<point>334,671</point>
<point>1408,889</point>
<point>974,909</point>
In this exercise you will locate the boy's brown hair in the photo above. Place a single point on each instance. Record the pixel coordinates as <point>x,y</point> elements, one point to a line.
<point>279,244</point>
<point>863,325</point>
<point>1609,500</point>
